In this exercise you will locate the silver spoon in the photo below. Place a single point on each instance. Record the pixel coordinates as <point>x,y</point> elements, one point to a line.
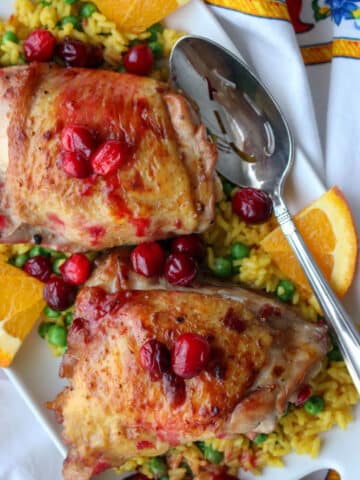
<point>255,149</point>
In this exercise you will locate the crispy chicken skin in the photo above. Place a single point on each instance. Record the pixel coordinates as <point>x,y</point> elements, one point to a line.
<point>166,186</point>
<point>261,354</point>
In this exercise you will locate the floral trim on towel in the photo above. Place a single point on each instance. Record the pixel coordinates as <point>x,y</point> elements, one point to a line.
<point>338,10</point>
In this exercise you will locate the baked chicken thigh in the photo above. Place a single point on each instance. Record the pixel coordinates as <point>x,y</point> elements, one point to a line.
<point>165,187</point>
<point>260,353</point>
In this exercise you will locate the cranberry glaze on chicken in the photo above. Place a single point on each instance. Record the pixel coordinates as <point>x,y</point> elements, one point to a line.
<point>151,366</point>
<point>164,185</point>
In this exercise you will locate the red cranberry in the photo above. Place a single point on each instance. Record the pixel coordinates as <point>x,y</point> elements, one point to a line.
<point>100,467</point>
<point>174,388</point>
<point>39,46</point>
<point>190,355</point>
<point>75,165</point>
<point>58,294</point>
<point>76,269</point>
<point>252,205</point>
<point>77,138</point>
<point>95,56</point>
<point>109,157</point>
<point>180,269</point>
<point>139,59</point>
<point>148,259</point>
<point>155,358</point>
<point>38,267</point>
<point>303,395</point>
<point>190,245</point>
<point>75,53</point>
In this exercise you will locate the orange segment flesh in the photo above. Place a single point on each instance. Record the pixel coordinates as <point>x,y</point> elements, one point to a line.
<point>21,303</point>
<point>136,15</point>
<point>329,231</point>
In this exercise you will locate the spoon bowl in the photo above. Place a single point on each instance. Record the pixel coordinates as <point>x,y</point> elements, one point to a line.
<point>252,136</point>
<point>255,149</point>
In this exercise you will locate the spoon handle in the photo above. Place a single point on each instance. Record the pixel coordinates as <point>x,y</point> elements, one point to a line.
<point>335,314</point>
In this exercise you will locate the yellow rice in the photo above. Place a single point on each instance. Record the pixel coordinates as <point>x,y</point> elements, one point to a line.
<point>97,30</point>
<point>333,382</point>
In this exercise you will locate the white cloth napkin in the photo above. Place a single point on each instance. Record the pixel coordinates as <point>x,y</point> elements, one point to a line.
<point>322,104</point>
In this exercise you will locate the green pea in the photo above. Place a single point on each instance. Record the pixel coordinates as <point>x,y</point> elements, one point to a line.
<point>49,312</point>
<point>260,438</point>
<point>158,466</point>
<point>157,49</point>
<point>314,405</point>
<point>239,250</point>
<point>20,260</point>
<point>88,9</point>
<point>70,2</point>
<point>335,355</point>
<point>57,335</point>
<point>75,21</point>
<point>164,477</point>
<point>213,456</point>
<point>45,3</point>
<point>121,69</point>
<point>68,318</point>
<point>154,30</point>
<point>227,188</point>
<point>55,253</point>
<point>57,264</point>
<point>36,250</point>
<point>201,445</point>
<point>44,328</point>
<point>285,290</point>
<point>222,267</point>
<point>9,37</point>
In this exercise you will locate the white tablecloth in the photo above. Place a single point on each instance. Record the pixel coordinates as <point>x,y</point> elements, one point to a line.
<point>322,103</point>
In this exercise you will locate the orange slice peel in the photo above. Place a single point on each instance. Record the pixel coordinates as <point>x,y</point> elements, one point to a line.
<point>135,15</point>
<point>328,229</point>
<point>21,303</point>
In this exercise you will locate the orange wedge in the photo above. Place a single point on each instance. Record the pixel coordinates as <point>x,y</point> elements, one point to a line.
<point>21,303</point>
<point>328,229</point>
<point>136,15</point>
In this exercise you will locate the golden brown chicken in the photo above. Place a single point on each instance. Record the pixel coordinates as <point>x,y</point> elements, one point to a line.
<point>157,367</point>
<point>164,187</point>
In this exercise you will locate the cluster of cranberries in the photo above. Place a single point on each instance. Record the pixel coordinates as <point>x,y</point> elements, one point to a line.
<point>189,356</point>
<point>82,156</point>
<point>41,46</point>
<point>180,267</point>
<point>59,291</point>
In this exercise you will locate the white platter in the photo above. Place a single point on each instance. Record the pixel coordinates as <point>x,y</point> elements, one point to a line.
<point>35,372</point>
